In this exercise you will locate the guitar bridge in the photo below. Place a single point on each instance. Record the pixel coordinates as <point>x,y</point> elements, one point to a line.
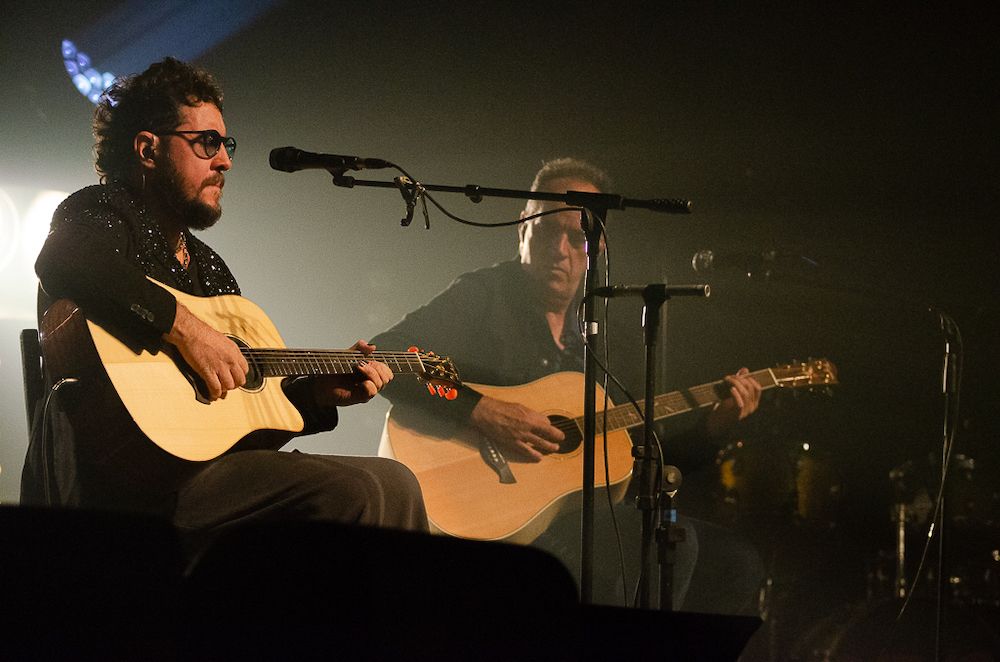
<point>495,460</point>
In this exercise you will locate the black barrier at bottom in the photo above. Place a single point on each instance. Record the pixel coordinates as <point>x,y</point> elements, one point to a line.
<point>114,586</point>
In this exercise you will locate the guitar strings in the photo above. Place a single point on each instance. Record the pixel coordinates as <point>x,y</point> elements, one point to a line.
<point>282,357</point>
<point>324,353</point>
<point>278,355</point>
<point>623,416</point>
<point>281,362</point>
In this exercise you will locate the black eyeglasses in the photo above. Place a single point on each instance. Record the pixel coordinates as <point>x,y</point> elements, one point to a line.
<point>551,231</point>
<point>206,142</point>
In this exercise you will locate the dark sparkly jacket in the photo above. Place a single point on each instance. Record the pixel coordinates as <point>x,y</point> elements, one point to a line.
<point>102,244</point>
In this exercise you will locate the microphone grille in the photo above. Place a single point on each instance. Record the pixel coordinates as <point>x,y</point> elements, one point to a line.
<point>703,260</point>
<point>284,159</point>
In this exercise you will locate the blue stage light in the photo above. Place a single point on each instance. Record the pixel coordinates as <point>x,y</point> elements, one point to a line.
<point>82,84</point>
<point>182,28</point>
<point>90,82</point>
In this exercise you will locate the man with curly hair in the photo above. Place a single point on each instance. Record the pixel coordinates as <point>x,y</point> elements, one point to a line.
<point>162,153</point>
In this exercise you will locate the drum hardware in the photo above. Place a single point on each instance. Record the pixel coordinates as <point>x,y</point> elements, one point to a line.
<point>777,482</point>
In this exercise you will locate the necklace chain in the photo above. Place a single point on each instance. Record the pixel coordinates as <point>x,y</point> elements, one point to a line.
<point>182,247</point>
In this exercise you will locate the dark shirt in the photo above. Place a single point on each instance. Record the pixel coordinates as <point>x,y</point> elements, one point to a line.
<point>494,329</point>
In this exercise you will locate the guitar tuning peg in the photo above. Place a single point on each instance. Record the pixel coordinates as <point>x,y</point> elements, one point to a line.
<point>450,393</point>
<point>430,389</point>
<point>413,348</point>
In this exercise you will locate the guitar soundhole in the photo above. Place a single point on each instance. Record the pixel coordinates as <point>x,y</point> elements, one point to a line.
<point>255,377</point>
<point>574,436</point>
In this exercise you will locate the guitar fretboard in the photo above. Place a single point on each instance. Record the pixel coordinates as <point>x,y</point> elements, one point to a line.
<point>676,402</point>
<point>292,362</point>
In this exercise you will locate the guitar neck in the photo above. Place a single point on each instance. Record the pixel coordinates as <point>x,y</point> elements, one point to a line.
<point>297,362</point>
<point>677,402</point>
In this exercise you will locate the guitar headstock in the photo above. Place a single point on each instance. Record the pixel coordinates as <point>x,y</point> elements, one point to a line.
<point>439,374</point>
<point>814,372</point>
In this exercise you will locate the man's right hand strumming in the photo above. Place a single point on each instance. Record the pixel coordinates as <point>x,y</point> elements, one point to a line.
<point>212,355</point>
<point>517,429</point>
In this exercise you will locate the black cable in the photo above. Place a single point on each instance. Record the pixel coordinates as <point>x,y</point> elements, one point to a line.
<point>950,429</point>
<point>502,224</point>
<point>608,373</point>
<point>477,224</point>
<point>625,391</point>
<point>46,458</point>
<point>623,571</point>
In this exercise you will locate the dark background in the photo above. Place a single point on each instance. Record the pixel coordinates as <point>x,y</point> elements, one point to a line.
<point>863,138</point>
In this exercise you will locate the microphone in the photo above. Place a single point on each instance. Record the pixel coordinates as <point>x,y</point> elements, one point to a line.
<point>290,159</point>
<point>654,290</point>
<point>749,263</point>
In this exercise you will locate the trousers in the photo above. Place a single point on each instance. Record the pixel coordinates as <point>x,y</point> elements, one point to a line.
<point>263,486</point>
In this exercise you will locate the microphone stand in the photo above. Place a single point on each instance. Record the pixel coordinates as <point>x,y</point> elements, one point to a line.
<point>950,390</point>
<point>950,375</point>
<point>598,205</point>
<point>657,488</point>
<point>592,228</point>
<point>647,456</point>
<point>592,201</point>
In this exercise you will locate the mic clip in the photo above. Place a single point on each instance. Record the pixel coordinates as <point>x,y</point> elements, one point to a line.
<point>340,179</point>
<point>412,192</point>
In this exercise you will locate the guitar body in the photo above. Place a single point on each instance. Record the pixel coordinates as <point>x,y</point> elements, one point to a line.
<point>470,495</point>
<point>138,427</point>
<point>464,495</point>
<point>164,403</point>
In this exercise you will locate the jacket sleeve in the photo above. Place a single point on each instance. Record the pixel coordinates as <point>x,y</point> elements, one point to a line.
<point>85,262</point>
<point>299,391</point>
<point>446,326</point>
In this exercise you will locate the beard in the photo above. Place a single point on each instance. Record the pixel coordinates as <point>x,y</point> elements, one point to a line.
<point>190,210</point>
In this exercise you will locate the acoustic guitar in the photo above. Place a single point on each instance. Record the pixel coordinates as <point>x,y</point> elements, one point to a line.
<point>472,491</point>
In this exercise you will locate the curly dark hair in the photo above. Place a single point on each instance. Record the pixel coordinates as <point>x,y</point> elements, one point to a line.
<point>150,101</point>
